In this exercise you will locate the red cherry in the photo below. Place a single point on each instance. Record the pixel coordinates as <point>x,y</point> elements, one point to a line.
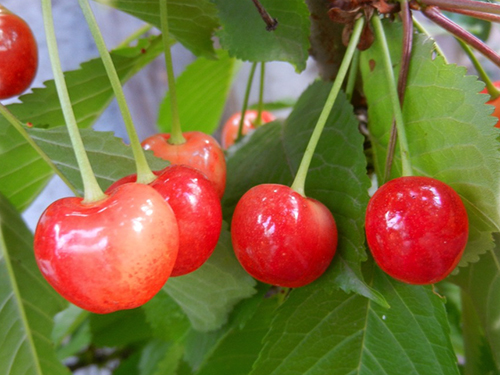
<point>200,151</point>
<point>231,127</point>
<point>495,103</point>
<point>109,255</point>
<point>18,55</point>
<point>417,229</point>
<point>281,237</point>
<point>197,208</point>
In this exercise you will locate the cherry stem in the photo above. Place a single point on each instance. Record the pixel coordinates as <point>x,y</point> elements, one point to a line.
<point>437,17</point>
<point>299,182</point>
<point>492,90</point>
<point>478,6</point>
<point>176,137</point>
<point>92,190</point>
<point>402,80</point>
<point>353,73</point>
<point>393,93</point>
<point>245,101</point>
<point>21,130</point>
<point>260,104</point>
<point>271,23</point>
<point>144,173</point>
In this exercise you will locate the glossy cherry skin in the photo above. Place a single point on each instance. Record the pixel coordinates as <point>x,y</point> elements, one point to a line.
<point>197,208</point>
<point>495,103</point>
<point>417,229</point>
<point>18,55</point>
<point>110,255</point>
<point>282,238</point>
<point>231,126</point>
<point>200,151</point>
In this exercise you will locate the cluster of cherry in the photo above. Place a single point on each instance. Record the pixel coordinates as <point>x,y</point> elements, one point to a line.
<point>117,252</point>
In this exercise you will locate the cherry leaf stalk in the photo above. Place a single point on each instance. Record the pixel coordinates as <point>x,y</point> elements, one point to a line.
<point>245,101</point>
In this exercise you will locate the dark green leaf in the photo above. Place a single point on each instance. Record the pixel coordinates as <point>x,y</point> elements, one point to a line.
<point>110,158</point>
<point>202,91</point>
<point>119,328</point>
<point>27,303</point>
<point>160,358</point>
<point>450,133</point>
<point>481,285</point>
<point>245,36</point>
<point>337,175</point>
<point>191,22</point>
<point>208,294</point>
<point>319,333</point>
<point>24,174</point>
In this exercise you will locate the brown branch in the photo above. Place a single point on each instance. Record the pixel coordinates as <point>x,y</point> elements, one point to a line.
<point>402,80</point>
<point>437,17</point>
<point>479,15</point>
<point>271,23</point>
<point>478,6</point>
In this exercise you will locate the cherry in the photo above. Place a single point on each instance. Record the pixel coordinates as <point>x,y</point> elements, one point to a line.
<point>231,127</point>
<point>200,151</point>
<point>197,208</point>
<point>109,255</point>
<point>494,102</point>
<point>18,55</point>
<point>281,237</point>
<point>417,229</point>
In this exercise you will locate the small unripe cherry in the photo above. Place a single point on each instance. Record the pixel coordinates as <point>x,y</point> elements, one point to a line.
<point>417,229</point>
<point>231,126</point>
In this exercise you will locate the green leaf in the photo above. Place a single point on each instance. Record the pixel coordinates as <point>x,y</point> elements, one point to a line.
<point>450,133</point>
<point>238,349</point>
<point>337,175</point>
<point>110,158</point>
<point>202,91</point>
<point>119,328</point>
<point>191,22</point>
<point>208,294</point>
<point>245,36</point>
<point>318,333</point>
<point>27,303</point>
<point>160,358</point>
<point>480,283</point>
<point>24,174</point>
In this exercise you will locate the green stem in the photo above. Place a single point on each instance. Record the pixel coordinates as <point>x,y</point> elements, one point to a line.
<point>19,127</point>
<point>135,35</point>
<point>424,31</point>
<point>260,104</point>
<point>351,78</point>
<point>393,93</point>
<point>92,190</point>
<point>144,173</point>
<point>245,101</point>
<point>300,179</point>
<point>176,137</point>
<point>492,90</point>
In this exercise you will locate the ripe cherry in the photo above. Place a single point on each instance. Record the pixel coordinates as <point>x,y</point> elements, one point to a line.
<point>109,255</point>
<point>281,237</point>
<point>18,55</point>
<point>494,102</point>
<point>200,151</point>
<point>197,208</point>
<point>231,127</point>
<point>417,229</point>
